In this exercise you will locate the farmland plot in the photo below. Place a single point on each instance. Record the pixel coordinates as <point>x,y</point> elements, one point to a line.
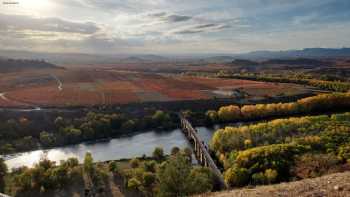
<point>88,87</point>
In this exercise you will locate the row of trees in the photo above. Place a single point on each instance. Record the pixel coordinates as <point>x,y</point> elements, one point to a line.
<point>281,149</point>
<point>14,135</point>
<point>337,86</point>
<point>319,103</point>
<point>171,176</point>
<point>43,177</point>
<point>3,172</point>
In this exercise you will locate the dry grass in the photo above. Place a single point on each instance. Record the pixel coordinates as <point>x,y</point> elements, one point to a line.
<point>334,185</point>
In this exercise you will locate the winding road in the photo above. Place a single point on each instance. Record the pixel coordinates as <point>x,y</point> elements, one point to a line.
<point>3,97</point>
<point>60,88</point>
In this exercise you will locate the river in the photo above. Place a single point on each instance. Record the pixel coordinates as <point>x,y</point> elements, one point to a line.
<point>128,146</point>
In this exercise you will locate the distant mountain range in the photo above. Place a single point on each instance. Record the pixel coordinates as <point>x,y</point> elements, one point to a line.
<point>305,53</point>
<point>14,65</point>
<point>80,58</point>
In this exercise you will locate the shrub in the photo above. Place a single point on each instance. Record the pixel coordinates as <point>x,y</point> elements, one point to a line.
<point>113,167</point>
<point>150,166</point>
<point>134,184</point>
<point>314,165</point>
<point>134,163</point>
<point>229,113</point>
<point>236,176</point>
<point>158,154</point>
<point>344,152</point>
<point>149,179</point>
<point>175,150</point>
<point>271,176</point>
<point>258,178</point>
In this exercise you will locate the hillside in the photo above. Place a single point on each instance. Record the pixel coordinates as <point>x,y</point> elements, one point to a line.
<point>14,65</point>
<point>337,185</point>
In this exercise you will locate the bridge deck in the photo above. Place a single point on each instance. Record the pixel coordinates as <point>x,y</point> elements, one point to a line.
<point>200,147</point>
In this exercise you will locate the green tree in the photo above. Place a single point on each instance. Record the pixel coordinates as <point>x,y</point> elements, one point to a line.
<point>3,172</point>
<point>158,154</point>
<point>113,167</point>
<point>47,139</point>
<point>134,163</point>
<point>175,150</point>
<point>174,177</point>
<point>134,184</point>
<point>88,164</point>
<point>201,180</point>
<point>236,176</point>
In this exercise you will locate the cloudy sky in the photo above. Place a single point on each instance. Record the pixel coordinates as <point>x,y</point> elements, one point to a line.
<point>173,26</point>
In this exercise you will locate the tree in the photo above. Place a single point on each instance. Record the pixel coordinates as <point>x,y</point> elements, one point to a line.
<point>212,116</point>
<point>88,164</point>
<point>173,177</point>
<point>229,113</point>
<point>236,176</point>
<point>178,178</point>
<point>134,163</point>
<point>158,154</point>
<point>47,139</point>
<point>162,119</point>
<point>113,167</point>
<point>150,166</point>
<point>175,150</point>
<point>188,153</point>
<point>201,180</point>
<point>148,179</point>
<point>134,184</point>
<point>3,172</point>
<point>59,122</point>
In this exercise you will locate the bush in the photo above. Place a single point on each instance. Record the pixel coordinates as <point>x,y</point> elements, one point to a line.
<point>259,178</point>
<point>134,184</point>
<point>150,166</point>
<point>158,154</point>
<point>314,165</point>
<point>271,176</point>
<point>236,176</point>
<point>175,150</point>
<point>229,113</point>
<point>134,163</point>
<point>149,179</point>
<point>344,152</point>
<point>113,167</point>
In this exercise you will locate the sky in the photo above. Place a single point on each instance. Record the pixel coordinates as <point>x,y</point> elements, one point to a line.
<point>172,26</point>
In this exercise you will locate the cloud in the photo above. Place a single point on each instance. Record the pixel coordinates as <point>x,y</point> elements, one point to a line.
<point>171,18</point>
<point>211,27</point>
<point>22,22</point>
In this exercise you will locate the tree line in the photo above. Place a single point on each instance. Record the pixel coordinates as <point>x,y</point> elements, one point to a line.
<point>15,135</point>
<point>284,149</point>
<point>172,175</point>
<point>159,175</point>
<point>337,86</point>
<point>314,104</point>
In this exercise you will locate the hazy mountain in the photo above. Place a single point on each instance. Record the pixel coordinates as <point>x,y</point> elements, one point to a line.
<point>14,65</point>
<point>144,58</point>
<point>305,53</point>
<point>81,58</point>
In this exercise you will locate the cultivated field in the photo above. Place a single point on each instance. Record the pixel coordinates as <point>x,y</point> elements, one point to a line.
<point>90,86</point>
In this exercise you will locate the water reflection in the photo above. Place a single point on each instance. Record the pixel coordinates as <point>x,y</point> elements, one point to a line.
<point>127,146</point>
<point>134,145</point>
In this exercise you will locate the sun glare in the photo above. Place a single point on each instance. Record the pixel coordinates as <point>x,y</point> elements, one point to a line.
<point>36,6</point>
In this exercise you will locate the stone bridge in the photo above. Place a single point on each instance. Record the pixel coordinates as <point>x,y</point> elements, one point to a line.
<point>201,150</point>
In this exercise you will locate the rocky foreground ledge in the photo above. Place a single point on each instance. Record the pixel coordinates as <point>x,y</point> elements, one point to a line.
<point>334,185</point>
